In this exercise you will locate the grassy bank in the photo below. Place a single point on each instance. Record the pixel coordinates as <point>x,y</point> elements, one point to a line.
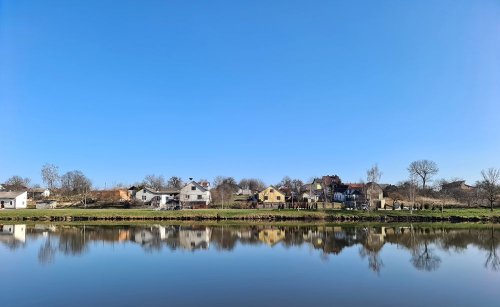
<point>454,215</point>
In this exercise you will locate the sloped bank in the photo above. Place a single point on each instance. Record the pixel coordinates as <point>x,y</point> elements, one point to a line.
<point>67,215</point>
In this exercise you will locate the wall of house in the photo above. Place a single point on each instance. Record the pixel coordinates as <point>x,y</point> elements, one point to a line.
<point>273,196</point>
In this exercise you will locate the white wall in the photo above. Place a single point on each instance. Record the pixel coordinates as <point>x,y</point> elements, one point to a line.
<point>139,195</point>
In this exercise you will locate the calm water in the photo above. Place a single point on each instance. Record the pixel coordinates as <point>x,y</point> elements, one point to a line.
<point>197,265</point>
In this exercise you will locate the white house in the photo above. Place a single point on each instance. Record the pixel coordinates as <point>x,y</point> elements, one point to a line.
<point>193,195</point>
<point>13,200</point>
<point>159,197</point>
<point>339,196</point>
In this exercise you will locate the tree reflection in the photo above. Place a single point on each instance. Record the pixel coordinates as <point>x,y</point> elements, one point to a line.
<point>423,258</point>
<point>492,259</point>
<point>47,251</point>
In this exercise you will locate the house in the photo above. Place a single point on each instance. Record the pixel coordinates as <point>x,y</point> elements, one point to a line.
<point>271,196</point>
<point>194,196</point>
<point>374,195</point>
<point>309,197</point>
<point>156,198</point>
<point>244,191</point>
<point>339,193</point>
<point>38,193</point>
<point>354,195</point>
<point>13,200</point>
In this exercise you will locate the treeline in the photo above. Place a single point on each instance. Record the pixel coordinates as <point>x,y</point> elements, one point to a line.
<point>420,183</point>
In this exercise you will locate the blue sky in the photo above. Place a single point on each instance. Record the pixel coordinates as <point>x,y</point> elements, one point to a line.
<point>122,89</point>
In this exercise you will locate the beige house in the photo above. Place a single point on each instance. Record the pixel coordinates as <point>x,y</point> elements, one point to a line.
<point>375,195</point>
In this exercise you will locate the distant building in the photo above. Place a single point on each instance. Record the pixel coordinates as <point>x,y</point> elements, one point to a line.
<point>374,195</point>
<point>194,196</point>
<point>242,191</point>
<point>38,193</point>
<point>458,185</point>
<point>13,200</point>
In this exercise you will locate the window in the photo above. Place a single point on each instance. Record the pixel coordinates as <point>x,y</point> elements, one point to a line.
<point>143,197</point>
<point>144,191</point>
<point>271,191</point>
<point>278,197</point>
<point>266,197</point>
<point>186,197</point>
<point>193,188</point>
<point>200,197</point>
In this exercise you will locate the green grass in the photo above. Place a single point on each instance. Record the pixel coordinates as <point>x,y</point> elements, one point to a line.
<point>244,214</point>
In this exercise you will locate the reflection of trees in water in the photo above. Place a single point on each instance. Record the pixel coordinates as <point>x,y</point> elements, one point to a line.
<point>423,258</point>
<point>491,243</point>
<point>421,242</point>
<point>47,251</point>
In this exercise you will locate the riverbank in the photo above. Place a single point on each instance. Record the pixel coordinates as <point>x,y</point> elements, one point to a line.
<point>451,215</point>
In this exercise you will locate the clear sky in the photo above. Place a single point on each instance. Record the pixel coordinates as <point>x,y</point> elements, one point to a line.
<point>122,89</point>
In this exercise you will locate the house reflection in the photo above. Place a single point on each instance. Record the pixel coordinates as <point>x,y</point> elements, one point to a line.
<point>271,236</point>
<point>13,236</point>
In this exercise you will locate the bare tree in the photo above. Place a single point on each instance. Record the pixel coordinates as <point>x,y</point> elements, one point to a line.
<point>224,188</point>
<point>155,182</point>
<point>174,182</point>
<point>18,182</point>
<point>373,174</point>
<point>253,184</point>
<point>76,183</point>
<point>424,169</point>
<point>490,185</point>
<point>50,175</point>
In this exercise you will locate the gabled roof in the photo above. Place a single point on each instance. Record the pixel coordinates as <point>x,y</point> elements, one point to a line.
<point>11,195</point>
<point>272,187</point>
<point>197,185</point>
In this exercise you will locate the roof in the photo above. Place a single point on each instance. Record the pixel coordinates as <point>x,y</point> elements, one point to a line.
<point>355,186</point>
<point>12,195</point>
<point>198,185</point>
<point>10,187</point>
<point>38,190</point>
<point>169,191</point>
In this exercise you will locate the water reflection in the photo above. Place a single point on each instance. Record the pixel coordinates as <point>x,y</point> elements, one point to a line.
<point>422,244</point>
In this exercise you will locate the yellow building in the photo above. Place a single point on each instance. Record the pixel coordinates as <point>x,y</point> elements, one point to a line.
<point>271,195</point>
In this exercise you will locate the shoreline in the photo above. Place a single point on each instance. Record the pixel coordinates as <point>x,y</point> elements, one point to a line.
<point>258,215</point>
